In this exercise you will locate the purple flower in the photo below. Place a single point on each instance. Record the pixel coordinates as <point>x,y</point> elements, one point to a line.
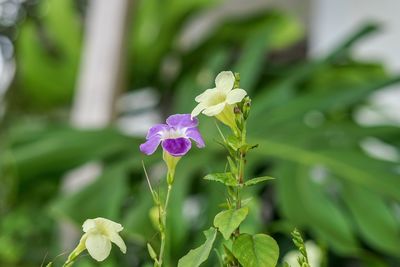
<point>174,136</point>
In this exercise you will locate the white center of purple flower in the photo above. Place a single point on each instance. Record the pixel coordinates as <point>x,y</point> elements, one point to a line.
<point>173,133</point>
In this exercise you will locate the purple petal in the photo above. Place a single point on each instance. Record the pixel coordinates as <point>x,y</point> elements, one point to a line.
<point>195,135</point>
<point>156,130</point>
<point>182,121</point>
<point>177,147</point>
<point>150,145</point>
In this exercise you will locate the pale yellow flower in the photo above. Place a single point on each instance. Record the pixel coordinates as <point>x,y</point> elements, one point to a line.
<point>219,101</point>
<point>99,233</point>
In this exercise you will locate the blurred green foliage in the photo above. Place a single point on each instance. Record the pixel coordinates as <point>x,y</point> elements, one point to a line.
<point>302,118</point>
<point>48,50</point>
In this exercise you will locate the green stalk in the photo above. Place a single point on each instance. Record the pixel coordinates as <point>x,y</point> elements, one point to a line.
<point>240,159</point>
<point>75,253</point>
<point>164,225</point>
<point>171,162</point>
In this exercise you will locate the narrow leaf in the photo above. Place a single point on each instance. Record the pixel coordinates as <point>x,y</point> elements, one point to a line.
<point>226,178</point>
<point>232,165</point>
<point>257,180</point>
<point>375,221</point>
<point>197,256</point>
<point>351,166</point>
<point>228,221</point>
<point>233,142</point>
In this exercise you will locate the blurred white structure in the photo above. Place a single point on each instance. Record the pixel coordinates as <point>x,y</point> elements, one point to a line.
<point>314,254</point>
<point>99,82</point>
<point>333,20</point>
<point>101,66</point>
<point>7,69</point>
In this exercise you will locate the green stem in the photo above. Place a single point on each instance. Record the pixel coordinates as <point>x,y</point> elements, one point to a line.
<point>241,163</point>
<point>68,263</point>
<point>240,177</point>
<point>71,259</point>
<point>74,254</point>
<point>163,226</point>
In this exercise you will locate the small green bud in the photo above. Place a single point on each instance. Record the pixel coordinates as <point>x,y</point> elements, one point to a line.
<point>237,80</point>
<point>156,198</point>
<point>246,107</point>
<point>154,215</point>
<point>151,251</point>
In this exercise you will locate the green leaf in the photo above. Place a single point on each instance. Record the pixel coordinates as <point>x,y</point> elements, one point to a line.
<point>228,221</point>
<point>287,194</point>
<point>304,203</point>
<point>246,201</point>
<point>278,32</point>
<point>282,91</point>
<point>375,221</point>
<point>251,61</point>
<point>228,254</point>
<point>326,218</point>
<point>324,101</point>
<point>60,149</point>
<point>349,165</point>
<point>257,180</point>
<point>103,197</point>
<point>214,62</point>
<point>219,257</point>
<point>178,225</point>
<point>233,142</point>
<point>227,178</point>
<point>259,250</point>
<point>60,52</point>
<point>361,33</point>
<point>197,256</point>
<point>232,165</point>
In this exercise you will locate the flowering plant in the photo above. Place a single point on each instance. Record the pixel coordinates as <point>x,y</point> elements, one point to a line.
<point>229,104</point>
<point>175,137</point>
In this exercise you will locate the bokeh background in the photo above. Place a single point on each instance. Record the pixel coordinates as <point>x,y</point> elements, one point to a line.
<point>81,82</point>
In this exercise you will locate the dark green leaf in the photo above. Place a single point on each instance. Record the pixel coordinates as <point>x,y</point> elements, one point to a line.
<point>374,219</point>
<point>351,166</point>
<point>98,199</point>
<point>324,216</point>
